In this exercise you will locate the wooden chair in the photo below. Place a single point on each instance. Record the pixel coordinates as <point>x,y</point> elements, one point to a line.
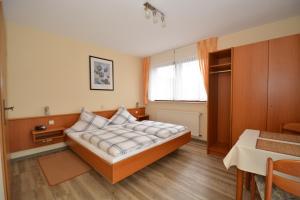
<point>274,186</point>
<point>290,128</point>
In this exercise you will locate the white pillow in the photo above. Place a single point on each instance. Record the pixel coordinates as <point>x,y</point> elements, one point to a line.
<point>122,116</point>
<point>87,122</point>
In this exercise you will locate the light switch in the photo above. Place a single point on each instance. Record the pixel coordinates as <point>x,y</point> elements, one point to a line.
<point>51,122</point>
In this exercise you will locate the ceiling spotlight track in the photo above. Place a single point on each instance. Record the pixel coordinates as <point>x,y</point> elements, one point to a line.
<point>156,14</point>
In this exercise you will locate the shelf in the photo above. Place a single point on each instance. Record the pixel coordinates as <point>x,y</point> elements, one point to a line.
<point>34,132</point>
<point>220,67</point>
<point>142,117</point>
<point>48,136</point>
<point>220,71</point>
<point>220,149</point>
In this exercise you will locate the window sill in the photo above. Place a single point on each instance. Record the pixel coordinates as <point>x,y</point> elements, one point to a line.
<point>177,101</point>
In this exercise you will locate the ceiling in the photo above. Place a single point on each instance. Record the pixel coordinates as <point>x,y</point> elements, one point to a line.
<point>121,24</point>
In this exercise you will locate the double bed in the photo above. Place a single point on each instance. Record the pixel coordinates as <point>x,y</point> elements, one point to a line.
<point>115,163</point>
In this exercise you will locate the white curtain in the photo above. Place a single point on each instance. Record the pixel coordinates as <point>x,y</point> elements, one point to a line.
<point>161,83</point>
<point>189,83</point>
<point>175,75</point>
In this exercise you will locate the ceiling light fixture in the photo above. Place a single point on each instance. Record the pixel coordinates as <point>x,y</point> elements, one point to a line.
<point>156,14</point>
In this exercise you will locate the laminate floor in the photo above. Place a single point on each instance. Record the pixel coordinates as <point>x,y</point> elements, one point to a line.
<point>187,173</point>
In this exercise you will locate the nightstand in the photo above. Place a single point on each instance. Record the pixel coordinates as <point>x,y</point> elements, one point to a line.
<point>50,135</point>
<point>142,117</point>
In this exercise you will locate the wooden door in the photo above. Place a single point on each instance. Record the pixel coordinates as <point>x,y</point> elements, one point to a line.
<point>284,81</point>
<point>249,88</point>
<point>3,128</point>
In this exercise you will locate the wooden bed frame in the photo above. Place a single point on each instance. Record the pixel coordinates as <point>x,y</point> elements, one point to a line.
<point>117,171</point>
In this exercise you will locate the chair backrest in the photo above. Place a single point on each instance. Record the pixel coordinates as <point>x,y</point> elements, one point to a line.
<point>289,167</point>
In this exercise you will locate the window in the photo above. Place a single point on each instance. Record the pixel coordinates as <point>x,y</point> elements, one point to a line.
<point>181,81</point>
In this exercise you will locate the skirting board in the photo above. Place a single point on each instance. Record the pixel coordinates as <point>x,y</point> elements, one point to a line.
<point>29,152</point>
<point>198,138</point>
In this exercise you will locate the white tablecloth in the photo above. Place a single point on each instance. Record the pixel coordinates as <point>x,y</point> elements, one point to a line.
<point>246,157</point>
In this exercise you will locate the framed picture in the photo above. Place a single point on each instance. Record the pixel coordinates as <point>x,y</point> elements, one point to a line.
<point>101,74</point>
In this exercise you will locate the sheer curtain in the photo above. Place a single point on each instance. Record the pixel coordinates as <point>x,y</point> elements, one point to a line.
<point>162,83</point>
<point>175,75</point>
<point>189,83</point>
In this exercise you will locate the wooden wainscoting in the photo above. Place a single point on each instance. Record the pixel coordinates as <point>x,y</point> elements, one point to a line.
<point>20,128</point>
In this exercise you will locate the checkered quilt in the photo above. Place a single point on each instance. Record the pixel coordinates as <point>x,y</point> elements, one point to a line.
<point>158,129</point>
<point>117,141</point>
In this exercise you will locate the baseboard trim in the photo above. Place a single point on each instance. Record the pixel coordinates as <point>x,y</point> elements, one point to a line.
<point>20,154</point>
<point>198,138</point>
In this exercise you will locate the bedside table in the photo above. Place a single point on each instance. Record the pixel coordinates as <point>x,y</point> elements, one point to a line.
<point>50,135</point>
<point>142,117</point>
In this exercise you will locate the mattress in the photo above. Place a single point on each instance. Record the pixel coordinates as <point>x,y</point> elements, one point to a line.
<point>76,136</point>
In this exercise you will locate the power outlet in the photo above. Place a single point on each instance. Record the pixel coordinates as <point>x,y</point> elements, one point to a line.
<point>51,122</point>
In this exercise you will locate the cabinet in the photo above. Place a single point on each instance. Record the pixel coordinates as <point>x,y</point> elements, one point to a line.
<point>260,91</point>
<point>219,102</point>
<point>51,135</point>
<point>284,82</point>
<point>250,88</point>
<point>142,117</point>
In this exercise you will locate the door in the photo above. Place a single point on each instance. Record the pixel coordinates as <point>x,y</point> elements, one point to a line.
<point>3,128</point>
<point>284,82</point>
<point>249,88</point>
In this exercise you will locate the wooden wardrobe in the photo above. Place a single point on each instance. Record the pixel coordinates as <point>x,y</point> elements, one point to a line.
<point>219,101</point>
<point>265,91</point>
<point>250,88</point>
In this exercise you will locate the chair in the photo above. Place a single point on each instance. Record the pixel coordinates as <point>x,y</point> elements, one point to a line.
<point>275,186</point>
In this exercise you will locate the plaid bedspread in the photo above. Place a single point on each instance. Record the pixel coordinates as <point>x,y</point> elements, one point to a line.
<point>158,129</point>
<point>117,141</point>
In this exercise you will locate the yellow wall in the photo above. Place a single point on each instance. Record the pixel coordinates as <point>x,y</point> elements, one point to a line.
<point>277,29</point>
<point>46,69</point>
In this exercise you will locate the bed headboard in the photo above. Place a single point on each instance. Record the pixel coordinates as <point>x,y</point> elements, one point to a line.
<point>19,129</point>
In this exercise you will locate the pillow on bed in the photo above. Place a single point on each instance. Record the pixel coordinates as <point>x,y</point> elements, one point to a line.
<point>87,122</point>
<point>122,116</point>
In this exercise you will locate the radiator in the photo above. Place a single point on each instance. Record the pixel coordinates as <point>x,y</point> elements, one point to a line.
<point>192,120</point>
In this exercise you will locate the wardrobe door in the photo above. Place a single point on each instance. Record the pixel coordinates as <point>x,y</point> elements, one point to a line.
<point>250,88</point>
<point>284,81</point>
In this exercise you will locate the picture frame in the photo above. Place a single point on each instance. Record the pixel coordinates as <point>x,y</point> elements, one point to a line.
<point>101,73</point>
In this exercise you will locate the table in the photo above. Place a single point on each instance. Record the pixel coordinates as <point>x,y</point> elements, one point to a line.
<point>247,158</point>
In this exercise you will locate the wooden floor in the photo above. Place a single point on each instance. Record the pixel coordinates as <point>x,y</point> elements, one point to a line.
<point>188,173</point>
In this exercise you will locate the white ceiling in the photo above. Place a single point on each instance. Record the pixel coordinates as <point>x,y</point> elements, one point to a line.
<point>121,24</point>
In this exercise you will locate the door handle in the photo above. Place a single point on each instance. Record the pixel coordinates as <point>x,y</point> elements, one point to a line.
<point>9,108</point>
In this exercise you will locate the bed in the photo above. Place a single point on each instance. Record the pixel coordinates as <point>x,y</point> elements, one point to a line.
<point>116,168</point>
